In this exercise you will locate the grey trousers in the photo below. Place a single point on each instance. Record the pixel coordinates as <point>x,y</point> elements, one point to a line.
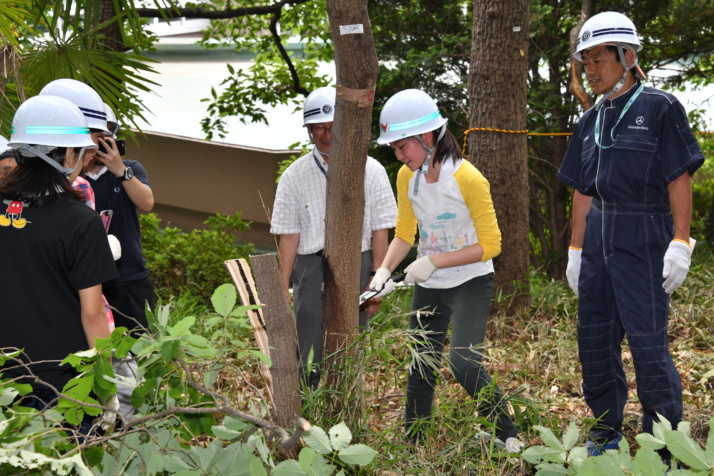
<point>465,308</point>
<point>307,280</point>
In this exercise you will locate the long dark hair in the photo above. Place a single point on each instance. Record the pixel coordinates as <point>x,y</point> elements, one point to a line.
<point>446,148</point>
<point>36,182</point>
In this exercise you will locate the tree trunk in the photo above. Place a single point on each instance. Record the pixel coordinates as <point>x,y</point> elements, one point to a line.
<point>112,34</point>
<point>280,328</point>
<point>497,96</point>
<point>576,67</point>
<point>357,68</point>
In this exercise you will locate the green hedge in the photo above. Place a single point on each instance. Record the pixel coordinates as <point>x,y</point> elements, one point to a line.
<point>192,262</point>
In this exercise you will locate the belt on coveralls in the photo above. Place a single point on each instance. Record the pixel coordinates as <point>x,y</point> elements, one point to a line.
<point>631,208</point>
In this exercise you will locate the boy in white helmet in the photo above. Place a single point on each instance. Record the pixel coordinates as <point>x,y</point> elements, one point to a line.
<point>299,219</point>
<point>630,161</point>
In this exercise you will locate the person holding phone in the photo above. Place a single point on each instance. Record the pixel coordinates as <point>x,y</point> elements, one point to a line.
<point>122,186</point>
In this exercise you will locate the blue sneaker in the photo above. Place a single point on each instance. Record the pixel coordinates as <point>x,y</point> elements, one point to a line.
<point>595,449</point>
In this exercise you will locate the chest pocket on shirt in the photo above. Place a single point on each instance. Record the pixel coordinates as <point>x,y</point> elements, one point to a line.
<point>309,213</point>
<point>634,168</point>
<point>642,143</point>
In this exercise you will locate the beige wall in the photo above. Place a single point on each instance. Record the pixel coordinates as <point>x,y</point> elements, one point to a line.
<point>192,179</point>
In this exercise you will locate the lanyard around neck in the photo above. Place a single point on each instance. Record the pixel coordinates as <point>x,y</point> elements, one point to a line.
<point>612,131</point>
<point>319,165</point>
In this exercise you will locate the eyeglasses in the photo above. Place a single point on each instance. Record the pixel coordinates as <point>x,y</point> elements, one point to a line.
<point>320,129</point>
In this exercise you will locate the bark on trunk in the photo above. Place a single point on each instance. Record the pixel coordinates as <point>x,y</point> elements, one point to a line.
<point>280,327</point>
<point>112,34</point>
<point>497,95</point>
<point>356,67</point>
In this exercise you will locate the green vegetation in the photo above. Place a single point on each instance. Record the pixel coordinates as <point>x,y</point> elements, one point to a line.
<point>201,391</point>
<point>183,263</point>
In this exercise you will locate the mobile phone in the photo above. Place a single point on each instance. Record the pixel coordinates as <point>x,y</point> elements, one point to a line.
<point>121,146</point>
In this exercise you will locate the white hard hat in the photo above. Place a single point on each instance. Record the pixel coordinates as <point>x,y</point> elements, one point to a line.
<point>112,122</point>
<point>44,123</point>
<point>409,113</point>
<point>607,28</point>
<point>84,97</point>
<point>50,121</point>
<point>319,106</point>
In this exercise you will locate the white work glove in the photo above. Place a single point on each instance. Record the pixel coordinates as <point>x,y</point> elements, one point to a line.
<point>381,282</point>
<point>419,271</point>
<point>125,373</point>
<point>109,416</point>
<point>676,265</point>
<point>115,246</point>
<point>572,272</point>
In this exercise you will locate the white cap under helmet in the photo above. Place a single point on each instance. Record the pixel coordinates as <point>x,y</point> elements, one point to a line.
<point>319,106</point>
<point>84,97</point>
<point>607,28</point>
<point>43,123</point>
<point>409,113</point>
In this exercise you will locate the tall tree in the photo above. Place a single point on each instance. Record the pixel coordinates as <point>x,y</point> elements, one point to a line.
<point>498,100</point>
<point>356,66</point>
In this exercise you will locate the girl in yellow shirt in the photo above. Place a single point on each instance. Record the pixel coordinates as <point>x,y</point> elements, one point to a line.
<point>446,202</point>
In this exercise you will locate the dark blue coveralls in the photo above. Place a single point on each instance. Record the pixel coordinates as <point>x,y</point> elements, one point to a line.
<point>628,230</point>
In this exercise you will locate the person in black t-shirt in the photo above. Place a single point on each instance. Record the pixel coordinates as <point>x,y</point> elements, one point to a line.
<point>55,246</point>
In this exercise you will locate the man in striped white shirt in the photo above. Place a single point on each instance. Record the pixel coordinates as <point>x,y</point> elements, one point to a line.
<point>299,220</point>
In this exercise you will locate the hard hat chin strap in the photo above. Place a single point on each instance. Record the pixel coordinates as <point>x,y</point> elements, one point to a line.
<point>63,170</point>
<point>621,82</point>
<point>429,150</point>
<point>424,169</point>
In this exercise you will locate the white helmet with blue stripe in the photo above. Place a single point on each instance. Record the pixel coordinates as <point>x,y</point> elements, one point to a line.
<point>84,97</point>
<point>607,28</point>
<point>319,106</point>
<point>611,28</point>
<point>409,113</point>
<point>44,123</point>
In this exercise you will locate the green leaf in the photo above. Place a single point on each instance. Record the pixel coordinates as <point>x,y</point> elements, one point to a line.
<point>571,436</point>
<point>8,395</point>
<point>318,440</point>
<point>538,454</point>
<point>182,327</point>
<point>237,460</point>
<point>660,427</point>
<point>224,433</point>
<point>235,425</point>
<point>224,299</point>
<point>195,340</point>
<point>549,438</point>
<point>307,458</point>
<point>357,454</point>
<point>340,436</point>
<point>649,462</point>
<point>686,450</point>
<point>648,441</point>
<point>551,469</point>
<point>153,458</point>
<point>289,468</point>
<point>169,350</point>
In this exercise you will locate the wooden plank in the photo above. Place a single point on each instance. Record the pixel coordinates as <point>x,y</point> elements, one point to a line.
<point>243,279</point>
